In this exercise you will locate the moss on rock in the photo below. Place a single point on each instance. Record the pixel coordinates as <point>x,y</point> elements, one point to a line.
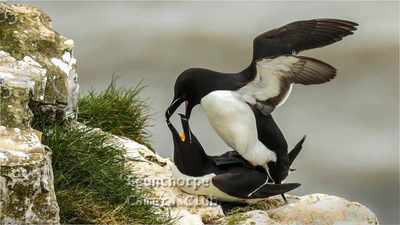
<point>14,108</point>
<point>25,31</point>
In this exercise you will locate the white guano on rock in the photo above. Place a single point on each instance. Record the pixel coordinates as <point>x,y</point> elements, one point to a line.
<point>26,179</point>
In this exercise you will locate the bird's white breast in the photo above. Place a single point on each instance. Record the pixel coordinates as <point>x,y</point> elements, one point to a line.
<point>234,121</point>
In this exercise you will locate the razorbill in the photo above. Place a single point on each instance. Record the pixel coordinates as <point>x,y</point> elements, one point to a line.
<point>227,177</point>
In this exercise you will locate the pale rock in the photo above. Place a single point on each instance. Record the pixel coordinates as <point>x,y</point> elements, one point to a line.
<point>26,179</point>
<point>155,173</point>
<point>37,77</point>
<point>184,217</point>
<point>38,60</point>
<point>318,209</point>
<point>254,217</point>
<point>18,79</point>
<point>313,209</point>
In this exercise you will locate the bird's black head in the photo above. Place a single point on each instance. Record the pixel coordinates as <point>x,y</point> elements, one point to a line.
<point>192,85</point>
<point>195,83</point>
<point>184,91</point>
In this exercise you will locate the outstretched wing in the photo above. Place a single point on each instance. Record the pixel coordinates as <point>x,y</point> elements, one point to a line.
<point>272,84</point>
<point>301,35</point>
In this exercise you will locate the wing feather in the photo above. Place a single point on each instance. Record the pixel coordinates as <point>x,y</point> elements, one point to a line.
<point>275,77</point>
<point>311,71</point>
<point>301,35</point>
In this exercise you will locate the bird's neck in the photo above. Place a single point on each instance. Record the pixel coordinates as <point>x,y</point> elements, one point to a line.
<point>192,162</point>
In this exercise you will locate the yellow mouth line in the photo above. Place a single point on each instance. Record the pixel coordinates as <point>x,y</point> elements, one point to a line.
<point>182,136</point>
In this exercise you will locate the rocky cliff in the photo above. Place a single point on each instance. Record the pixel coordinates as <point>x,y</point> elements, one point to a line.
<point>37,75</point>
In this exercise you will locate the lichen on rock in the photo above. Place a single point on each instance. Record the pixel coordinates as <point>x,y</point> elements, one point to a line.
<point>25,31</point>
<point>26,179</point>
<point>37,77</point>
<point>20,81</point>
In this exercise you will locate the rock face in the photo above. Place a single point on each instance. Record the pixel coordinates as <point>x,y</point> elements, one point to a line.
<point>155,173</point>
<point>37,77</point>
<point>36,58</point>
<point>19,78</point>
<point>314,209</point>
<point>26,179</point>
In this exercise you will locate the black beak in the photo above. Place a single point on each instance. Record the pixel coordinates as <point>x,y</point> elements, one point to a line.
<point>175,134</point>
<point>173,106</point>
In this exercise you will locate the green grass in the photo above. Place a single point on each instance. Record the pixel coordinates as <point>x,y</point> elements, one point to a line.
<point>261,205</point>
<point>116,110</point>
<point>91,181</point>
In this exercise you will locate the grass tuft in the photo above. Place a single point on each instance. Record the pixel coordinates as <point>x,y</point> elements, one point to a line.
<point>116,110</point>
<point>92,184</point>
<point>91,181</point>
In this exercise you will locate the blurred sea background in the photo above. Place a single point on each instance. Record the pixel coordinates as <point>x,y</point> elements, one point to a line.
<point>352,149</point>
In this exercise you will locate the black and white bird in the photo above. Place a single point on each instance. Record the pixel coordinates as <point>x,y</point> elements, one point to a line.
<point>227,177</point>
<point>230,100</point>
